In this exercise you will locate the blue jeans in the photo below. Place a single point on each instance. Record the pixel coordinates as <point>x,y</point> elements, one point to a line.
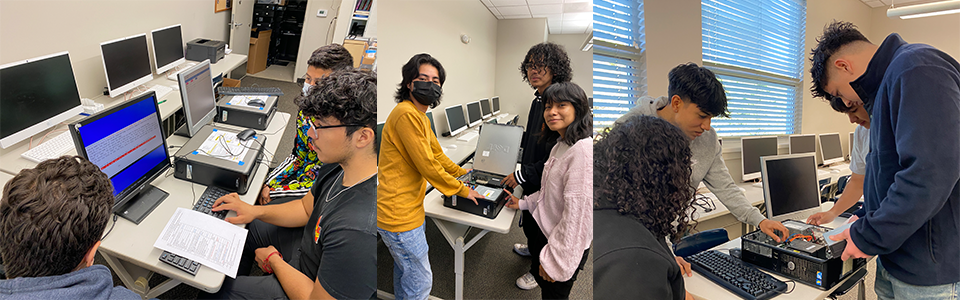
<point>889,287</point>
<point>412,277</point>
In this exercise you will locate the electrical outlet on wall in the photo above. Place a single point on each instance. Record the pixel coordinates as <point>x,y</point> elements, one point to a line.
<point>322,13</point>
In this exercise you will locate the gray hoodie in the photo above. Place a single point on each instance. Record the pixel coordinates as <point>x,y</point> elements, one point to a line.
<point>708,165</point>
<point>94,282</point>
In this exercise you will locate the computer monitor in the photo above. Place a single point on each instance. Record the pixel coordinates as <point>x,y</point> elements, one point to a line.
<point>456,121</point>
<point>199,102</point>
<point>167,48</point>
<point>127,143</point>
<point>474,115</point>
<point>36,94</point>
<point>496,104</point>
<point>485,108</point>
<point>126,63</point>
<point>803,143</point>
<point>830,151</point>
<point>790,187</point>
<point>850,145</point>
<point>751,150</point>
<point>433,124</point>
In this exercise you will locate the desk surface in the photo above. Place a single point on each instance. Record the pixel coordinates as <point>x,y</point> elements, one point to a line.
<point>12,163</point>
<point>702,288</point>
<point>4,177</point>
<point>134,243</point>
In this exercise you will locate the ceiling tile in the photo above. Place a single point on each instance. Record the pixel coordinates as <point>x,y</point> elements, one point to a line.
<point>534,2</point>
<point>577,7</point>
<point>581,16</point>
<point>486,3</point>
<point>514,10</point>
<point>546,9</point>
<point>508,2</point>
<point>575,1</point>
<point>516,16</point>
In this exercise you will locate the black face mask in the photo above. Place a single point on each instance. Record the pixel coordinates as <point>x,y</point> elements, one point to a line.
<point>427,93</point>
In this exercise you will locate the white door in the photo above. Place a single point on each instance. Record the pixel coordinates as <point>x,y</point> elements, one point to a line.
<point>241,16</point>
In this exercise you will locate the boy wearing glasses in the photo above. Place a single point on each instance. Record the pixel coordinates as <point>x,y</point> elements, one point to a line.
<point>410,156</point>
<point>294,177</point>
<point>334,256</point>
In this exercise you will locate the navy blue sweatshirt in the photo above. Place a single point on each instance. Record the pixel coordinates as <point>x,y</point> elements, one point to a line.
<point>911,214</point>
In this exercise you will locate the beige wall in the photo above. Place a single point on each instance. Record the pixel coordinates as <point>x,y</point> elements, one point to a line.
<point>314,33</point>
<point>672,38</point>
<point>434,27</point>
<point>34,28</point>
<point>514,39</point>
<point>942,32</point>
<point>580,61</point>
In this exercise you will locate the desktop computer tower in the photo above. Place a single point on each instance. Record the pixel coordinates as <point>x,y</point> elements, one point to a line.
<point>811,260</point>
<point>496,157</point>
<point>217,170</point>
<point>244,115</point>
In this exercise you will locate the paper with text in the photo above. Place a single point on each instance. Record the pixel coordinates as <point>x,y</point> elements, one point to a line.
<point>204,239</point>
<point>225,145</point>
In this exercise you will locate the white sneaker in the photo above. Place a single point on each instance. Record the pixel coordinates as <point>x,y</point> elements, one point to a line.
<point>521,249</point>
<point>527,282</point>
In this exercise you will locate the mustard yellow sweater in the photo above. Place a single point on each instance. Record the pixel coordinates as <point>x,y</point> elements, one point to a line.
<point>410,155</point>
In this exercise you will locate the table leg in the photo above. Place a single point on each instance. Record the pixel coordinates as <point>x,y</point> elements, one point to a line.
<point>137,278</point>
<point>862,295</point>
<point>455,234</point>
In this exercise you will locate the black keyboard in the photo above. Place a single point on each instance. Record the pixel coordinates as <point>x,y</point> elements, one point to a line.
<point>742,279</point>
<point>204,205</point>
<point>268,91</point>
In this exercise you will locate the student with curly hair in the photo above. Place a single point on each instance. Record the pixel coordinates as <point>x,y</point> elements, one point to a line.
<point>642,186</point>
<point>294,177</point>
<point>911,213</point>
<point>333,256</point>
<point>51,219</point>
<point>695,96</point>
<point>545,64</point>
<point>562,227</point>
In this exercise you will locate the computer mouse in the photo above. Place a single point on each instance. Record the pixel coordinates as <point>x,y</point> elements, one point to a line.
<point>256,102</point>
<point>246,134</point>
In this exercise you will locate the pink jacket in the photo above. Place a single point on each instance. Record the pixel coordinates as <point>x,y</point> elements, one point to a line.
<point>564,207</point>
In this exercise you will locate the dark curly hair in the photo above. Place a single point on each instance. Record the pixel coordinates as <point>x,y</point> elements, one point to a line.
<point>582,125</point>
<point>411,70</point>
<point>349,96</point>
<point>549,55</point>
<point>699,86</point>
<point>834,37</point>
<point>333,57</point>
<point>643,166</point>
<point>51,215</point>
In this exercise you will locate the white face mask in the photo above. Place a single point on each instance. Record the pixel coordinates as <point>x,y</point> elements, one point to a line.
<point>306,87</point>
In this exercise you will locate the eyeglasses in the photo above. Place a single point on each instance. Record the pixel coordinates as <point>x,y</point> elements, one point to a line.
<point>539,67</point>
<point>307,79</point>
<point>315,127</point>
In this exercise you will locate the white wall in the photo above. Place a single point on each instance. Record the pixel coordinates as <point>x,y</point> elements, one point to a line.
<point>34,28</point>
<point>942,32</point>
<point>514,39</point>
<point>580,61</point>
<point>434,27</point>
<point>672,38</point>
<point>314,34</point>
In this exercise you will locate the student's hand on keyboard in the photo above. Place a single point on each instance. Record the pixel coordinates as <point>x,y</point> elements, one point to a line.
<point>513,203</point>
<point>684,266</point>
<point>246,213</point>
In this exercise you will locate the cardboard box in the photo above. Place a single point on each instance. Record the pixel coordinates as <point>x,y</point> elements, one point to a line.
<point>357,48</point>
<point>227,82</point>
<point>259,46</point>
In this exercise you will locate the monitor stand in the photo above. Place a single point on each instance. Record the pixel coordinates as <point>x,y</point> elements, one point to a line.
<point>183,131</point>
<point>142,204</point>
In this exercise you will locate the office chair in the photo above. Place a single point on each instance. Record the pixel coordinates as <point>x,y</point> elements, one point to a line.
<point>828,192</point>
<point>702,241</point>
<point>842,183</point>
<point>855,280</point>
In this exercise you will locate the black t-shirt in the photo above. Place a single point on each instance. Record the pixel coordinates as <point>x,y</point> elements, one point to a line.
<point>339,245</point>
<point>630,262</point>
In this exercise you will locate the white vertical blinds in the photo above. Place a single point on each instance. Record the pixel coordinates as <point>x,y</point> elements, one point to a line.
<point>619,70</point>
<point>756,47</point>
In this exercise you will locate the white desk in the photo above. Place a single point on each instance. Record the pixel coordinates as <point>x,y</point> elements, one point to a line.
<point>4,177</point>
<point>129,247</point>
<point>702,288</point>
<point>12,163</point>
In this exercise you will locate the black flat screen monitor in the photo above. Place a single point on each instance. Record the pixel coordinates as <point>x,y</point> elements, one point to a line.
<point>36,94</point>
